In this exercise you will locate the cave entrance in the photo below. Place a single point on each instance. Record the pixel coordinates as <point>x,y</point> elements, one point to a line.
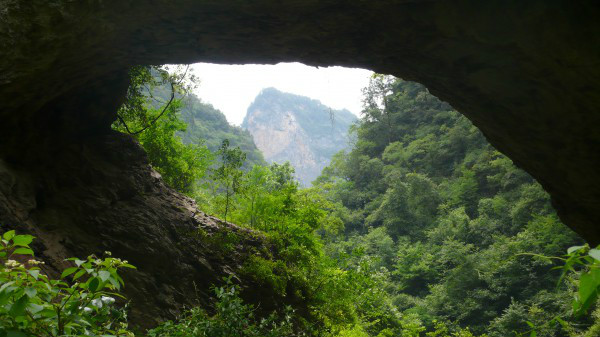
<point>526,74</point>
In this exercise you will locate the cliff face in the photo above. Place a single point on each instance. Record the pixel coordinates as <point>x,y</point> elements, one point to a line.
<point>293,128</point>
<point>104,196</point>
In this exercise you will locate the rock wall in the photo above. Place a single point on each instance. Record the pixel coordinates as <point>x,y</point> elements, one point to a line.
<point>526,73</point>
<point>104,196</point>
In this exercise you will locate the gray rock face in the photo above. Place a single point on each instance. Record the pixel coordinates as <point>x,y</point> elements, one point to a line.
<point>104,196</point>
<point>293,128</point>
<point>525,72</point>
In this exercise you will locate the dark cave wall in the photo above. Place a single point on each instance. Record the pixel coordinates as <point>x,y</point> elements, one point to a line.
<point>102,195</point>
<point>527,73</point>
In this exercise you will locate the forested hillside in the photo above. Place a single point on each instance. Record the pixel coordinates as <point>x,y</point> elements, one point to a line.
<point>421,229</point>
<point>207,125</point>
<point>443,219</point>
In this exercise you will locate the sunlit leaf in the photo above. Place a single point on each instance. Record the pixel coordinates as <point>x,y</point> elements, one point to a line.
<point>595,253</point>
<point>8,235</point>
<point>35,273</point>
<point>574,249</point>
<point>23,251</point>
<point>103,275</point>
<point>22,240</point>
<point>588,290</point>
<point>68,272</point>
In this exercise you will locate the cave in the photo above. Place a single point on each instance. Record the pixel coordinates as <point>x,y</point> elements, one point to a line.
<point>526,73</point>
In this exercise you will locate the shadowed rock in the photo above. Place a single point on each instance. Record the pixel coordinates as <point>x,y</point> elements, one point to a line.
<point>527,73</point>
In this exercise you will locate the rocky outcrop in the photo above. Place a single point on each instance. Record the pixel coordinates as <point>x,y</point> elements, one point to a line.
<point>293,128</point>
<point>104,196</point>
<point>525,72</point>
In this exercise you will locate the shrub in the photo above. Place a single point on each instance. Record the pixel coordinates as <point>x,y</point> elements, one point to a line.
<point>232,317</point>
<point>33,304</point>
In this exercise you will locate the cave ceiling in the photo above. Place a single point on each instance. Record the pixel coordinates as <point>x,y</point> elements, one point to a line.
<point>526,73</point>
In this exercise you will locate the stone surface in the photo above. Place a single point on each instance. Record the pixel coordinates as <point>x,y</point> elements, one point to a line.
<point>527,73</point>
<point>293,128</point>
<point>104,196</point>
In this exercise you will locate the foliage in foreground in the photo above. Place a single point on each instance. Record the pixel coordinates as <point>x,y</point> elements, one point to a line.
<point>231,317</point>
<point>79,303</point>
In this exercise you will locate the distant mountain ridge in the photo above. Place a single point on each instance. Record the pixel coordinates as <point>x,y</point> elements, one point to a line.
<point>298,129</point>
<point>209,126</point>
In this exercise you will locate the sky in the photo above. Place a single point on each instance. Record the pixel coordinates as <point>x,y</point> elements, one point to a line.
<point>231,88</point>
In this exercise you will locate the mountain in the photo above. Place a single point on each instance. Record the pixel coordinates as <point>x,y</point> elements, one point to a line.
<point>209,125</point>
<point>303,131</point>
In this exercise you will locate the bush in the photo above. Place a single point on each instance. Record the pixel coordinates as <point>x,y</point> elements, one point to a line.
<point>33,304</point>
<point>231,318</point>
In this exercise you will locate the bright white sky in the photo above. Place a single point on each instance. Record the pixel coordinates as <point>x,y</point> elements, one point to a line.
<point>231,88</point>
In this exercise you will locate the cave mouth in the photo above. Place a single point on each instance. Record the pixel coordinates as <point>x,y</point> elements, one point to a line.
<point>525,74</point>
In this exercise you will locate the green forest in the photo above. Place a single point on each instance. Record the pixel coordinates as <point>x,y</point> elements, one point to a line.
<point>421,229</point>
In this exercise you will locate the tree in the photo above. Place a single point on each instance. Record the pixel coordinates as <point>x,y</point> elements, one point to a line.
<point>376,101</point>
<point>150,113</point>
<point>256,183</point>
<point>153,92</point>
<point>229,174</point>
<point>180,165</point>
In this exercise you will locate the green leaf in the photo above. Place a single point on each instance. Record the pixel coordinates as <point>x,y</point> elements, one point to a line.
<point>78,274</point>
<point>68,272</point>
<point>14,333</point>
<point>574,249</point>
<point>114,283</point>
<point>103,275</point>
<point>18,309</point>
<point>30,292</point>
<point>35,308</point>
<point>588,290</point>
<point>35,273</point>
<point>4,296</point>
<point>595,253</point>
<point>564,324</point>
<point>8,235</point>
<point>93,284</point>
<point>23,251</point>
<point>48,313</point>
<point>6,285</point>
<point>22,240</point>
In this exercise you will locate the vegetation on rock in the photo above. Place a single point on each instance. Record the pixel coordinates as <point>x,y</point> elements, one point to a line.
<point>421,229</point>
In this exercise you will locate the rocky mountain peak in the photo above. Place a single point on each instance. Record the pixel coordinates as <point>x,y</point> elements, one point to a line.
<point>298,129</point>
